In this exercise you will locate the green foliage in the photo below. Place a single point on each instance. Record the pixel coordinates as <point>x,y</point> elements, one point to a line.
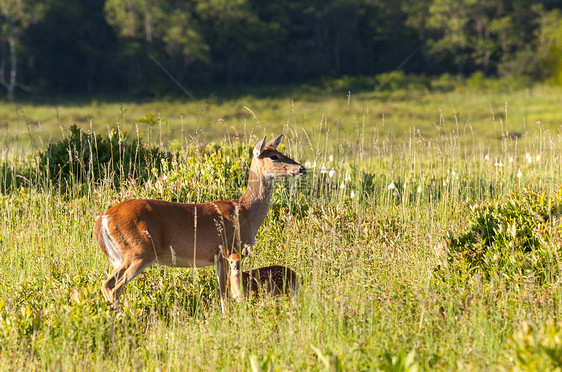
<point>526,62</point>
<point>158,291</point>
<point>550,43</point>
<point>14,175</point>
<point>15,17</point>
<point>469,35</point>
<point>518,80</point>
<point>329,360</point>
<point>149,119</point>
<point>125,46</point>
<point>538,347</point>
<point>398,80</point>
<point>265,365</point>
<point>148,21</point>
<point>212,173</point>
<point>90,158</point>
<point>510,237</point>
<point>401,362</point>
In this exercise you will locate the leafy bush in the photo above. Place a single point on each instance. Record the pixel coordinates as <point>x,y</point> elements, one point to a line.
<point>538,348</point>
<point>550,44</point>
<point>14,175</point>
<point>86,158</point>
<point>401,362</point>
<point>510,237</point>
<point>215,172</point>
<point>398,80</point>
<point>525,62</point>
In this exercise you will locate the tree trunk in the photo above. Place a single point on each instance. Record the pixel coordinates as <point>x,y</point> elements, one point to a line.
<point>11,86</point>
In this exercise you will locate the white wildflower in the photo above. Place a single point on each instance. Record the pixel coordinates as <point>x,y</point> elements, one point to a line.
<point>498,163</point>
<point>392,186</point>
<point>342,186</point>
<point>331,158</point>
<point>538,158</point>
<point>352,195</point>
<point>519,173</point>
<point>487,157</point>
<point>420,189</point>
<point>332,173</point>
<point>529,158</point>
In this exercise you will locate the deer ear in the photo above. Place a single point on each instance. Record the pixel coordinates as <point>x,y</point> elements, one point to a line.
<point>259,147</point>
<point>247,250</point>
<point>275,142</point>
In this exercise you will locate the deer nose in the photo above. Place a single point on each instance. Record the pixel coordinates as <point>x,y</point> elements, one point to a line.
<point>302,170</point>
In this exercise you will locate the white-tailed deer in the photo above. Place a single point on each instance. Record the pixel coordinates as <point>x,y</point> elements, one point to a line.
<point>271,280</point>
<point>135,234</point>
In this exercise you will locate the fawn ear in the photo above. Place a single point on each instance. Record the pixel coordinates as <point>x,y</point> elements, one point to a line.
<point>275,142</point>
<point>259,147</point>
<point>223,251</point>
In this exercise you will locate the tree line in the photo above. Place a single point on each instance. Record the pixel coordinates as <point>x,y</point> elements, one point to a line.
<point>136,46</point>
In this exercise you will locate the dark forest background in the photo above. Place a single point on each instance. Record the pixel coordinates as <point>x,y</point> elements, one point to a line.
<point>103,47</point>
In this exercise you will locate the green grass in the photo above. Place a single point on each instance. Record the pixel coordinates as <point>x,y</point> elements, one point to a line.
<point>332,110</point>
<point>372,259</point>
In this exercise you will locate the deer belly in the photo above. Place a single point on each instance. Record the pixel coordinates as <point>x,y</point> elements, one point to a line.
<point>177,261</point>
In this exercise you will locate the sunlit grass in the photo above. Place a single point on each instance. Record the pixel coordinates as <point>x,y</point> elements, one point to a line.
<point>366,232</point>
<point>340,115</point>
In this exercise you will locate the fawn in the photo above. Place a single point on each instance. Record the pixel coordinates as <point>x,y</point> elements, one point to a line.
<point>271,280</point>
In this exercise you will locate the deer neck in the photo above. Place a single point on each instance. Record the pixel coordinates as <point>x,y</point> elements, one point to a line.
<point>257,197</point>
<point>235,286</point>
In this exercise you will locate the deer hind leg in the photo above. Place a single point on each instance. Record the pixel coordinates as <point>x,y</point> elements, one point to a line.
<point>121,276</point>
<point>109,284</point>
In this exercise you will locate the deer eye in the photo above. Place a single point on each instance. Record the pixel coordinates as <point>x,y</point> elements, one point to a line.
<point>274,157</point>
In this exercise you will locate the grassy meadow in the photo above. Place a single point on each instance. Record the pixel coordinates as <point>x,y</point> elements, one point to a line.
<point>426,235</point>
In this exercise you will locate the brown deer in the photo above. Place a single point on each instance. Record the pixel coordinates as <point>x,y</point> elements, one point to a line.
<point>135,234</point>
<point>271,280</point>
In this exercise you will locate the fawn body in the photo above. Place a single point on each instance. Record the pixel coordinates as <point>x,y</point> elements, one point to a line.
<point>271,280</point>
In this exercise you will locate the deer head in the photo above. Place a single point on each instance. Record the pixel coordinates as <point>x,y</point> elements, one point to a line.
<point>271,163</point>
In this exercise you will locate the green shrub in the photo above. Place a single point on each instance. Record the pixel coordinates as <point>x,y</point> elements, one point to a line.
<point>87,158</point>
<point>538,348</point>
<point>14,175</point>
<point>398,80</point>
<point>511,237</point>
<point>401,362</point>
<point>215,172</point>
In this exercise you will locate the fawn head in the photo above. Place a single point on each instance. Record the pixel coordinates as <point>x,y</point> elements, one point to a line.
<point>233,260</point>
<point>272,163</point>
